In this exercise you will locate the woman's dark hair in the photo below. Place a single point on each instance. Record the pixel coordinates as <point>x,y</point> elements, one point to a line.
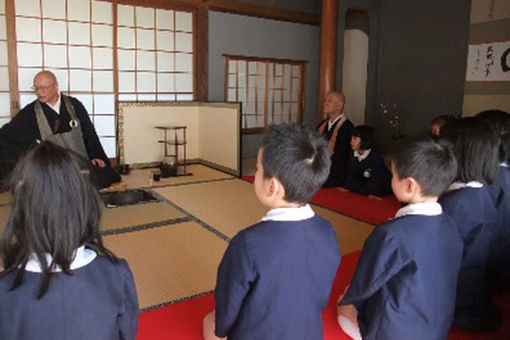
<point>476,148</point>
<point>297,157</point>
<point>55,209</point>
<point>500,122</point>
<point>366,134</point>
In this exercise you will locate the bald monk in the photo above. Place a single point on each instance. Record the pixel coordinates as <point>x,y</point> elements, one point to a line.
<point>336,129</point>
<point>60,119</point>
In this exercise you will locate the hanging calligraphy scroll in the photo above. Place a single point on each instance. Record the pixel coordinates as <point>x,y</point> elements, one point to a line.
<point>489,62</point>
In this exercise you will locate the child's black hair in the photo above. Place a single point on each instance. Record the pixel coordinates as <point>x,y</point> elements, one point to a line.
<point>430,162</point>
<point>443,119</point>
<point>476,148</point>
<point>500,122</point>
<point>55,209</point>
<point>297,157</point>
<point>366,134</point>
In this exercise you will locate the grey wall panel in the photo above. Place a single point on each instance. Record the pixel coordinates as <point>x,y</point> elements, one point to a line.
<point>250,36</point>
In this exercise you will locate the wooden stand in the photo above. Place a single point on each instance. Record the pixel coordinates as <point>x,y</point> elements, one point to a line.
<point>176,141</point>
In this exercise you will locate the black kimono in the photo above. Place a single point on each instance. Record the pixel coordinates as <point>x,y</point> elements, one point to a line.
<point>22,131</point>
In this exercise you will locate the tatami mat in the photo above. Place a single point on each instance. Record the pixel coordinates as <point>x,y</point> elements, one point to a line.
<point>230,206</point>
<point>171,262</point>
<point>134,215</point>
<point>142,178</point>
<point>227,206</point>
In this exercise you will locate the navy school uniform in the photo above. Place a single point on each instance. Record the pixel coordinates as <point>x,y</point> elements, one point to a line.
<point>276,277</point>
<point>499,257</point>
<point>368,176</point>
<point>405,280</point>
<point>472,209</point>
<point>98,301</point>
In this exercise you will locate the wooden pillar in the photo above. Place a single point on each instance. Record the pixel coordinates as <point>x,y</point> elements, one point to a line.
<point>329,29</point>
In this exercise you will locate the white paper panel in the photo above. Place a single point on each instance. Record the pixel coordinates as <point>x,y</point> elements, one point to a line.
<point>3,53</point>
<point>55,9</point>
<point>78,10</point>
<point>145,39</point>
<point>26,77</point>
<point>29,54</point>
<point>104,103</point>
<point>146,61</point>
<point>108,146</point>
<point>144,17</point>
<point>125,15</point>
<point>103,81</point>
<point>126,82</point>
<point>81,80</point>
<point>166,82</point>
<point>184,97</point>
<point>147,97</point>
<point>3,120</point>
<point>165,61</point>
<point>126,60</point>
<point>27,7</point>
<point>146,82</point>
<point>102,58</point>
<point>4,79</point>
<point>183,21</point>
<point>55,56</point>
<point>102,35</point>
<point>2,7</point>
<point>102,12</point>
<point>54,31</point>
<point>127,97</point>
<point>61,76</point>
<point>3,34</point>
<point>241,94</point>
<point>79,33</point>
<point>79,57</point>
<point>28,29</point>
<point>184,62</point>
<point>26,98</point>
<point>184,42</point>
<point>165,40</point>
<point>164,19</point>
<point>105,125</point>
<point>166,97</point>
<point>231,95</point>
<point>184,82</point>
<point>126,37</point>
<point>241,67</point>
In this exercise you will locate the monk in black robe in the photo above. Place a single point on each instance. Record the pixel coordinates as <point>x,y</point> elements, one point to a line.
<point>60,119</point>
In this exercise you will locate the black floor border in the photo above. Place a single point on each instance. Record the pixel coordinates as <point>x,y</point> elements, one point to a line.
<point>145,226</point>
<point>173,302</point>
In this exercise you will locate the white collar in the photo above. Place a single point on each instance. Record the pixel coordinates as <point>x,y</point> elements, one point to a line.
<point>460,185</point>
<point>82,257</point>
<point>422,208</point>
<point>289,214</point>
<point>56,107</point>
<point>504,164</point>
<point>331,123</point>
<point>363,156</point>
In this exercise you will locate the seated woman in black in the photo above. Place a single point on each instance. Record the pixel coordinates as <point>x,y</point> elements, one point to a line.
<point>366,173</point>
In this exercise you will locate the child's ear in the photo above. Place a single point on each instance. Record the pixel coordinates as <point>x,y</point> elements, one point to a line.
<point>275,189</point>
<point>411,185</point>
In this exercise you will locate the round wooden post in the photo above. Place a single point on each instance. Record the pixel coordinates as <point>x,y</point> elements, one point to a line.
<point>329,29</point>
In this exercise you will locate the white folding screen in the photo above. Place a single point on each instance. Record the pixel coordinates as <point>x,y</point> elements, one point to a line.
<point>4,74</point>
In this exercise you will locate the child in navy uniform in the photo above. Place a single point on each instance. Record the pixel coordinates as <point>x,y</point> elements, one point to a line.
<point>60,282</point>
<point>276,276</point>
<point>366,172</point>
<point>499,260</point>
<point>471,206</point>
<point>405,280</point>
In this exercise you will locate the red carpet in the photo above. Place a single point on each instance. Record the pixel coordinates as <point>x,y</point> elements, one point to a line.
<point>363,208</point>
<point>183,321</point>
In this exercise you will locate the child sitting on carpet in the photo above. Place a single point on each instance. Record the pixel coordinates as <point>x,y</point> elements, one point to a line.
<point>366,172</point>
<point>60,282</point>
<point>276,276</point>
<point>499,259</point>
<point>470,205</point>
<point>405,280</point>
